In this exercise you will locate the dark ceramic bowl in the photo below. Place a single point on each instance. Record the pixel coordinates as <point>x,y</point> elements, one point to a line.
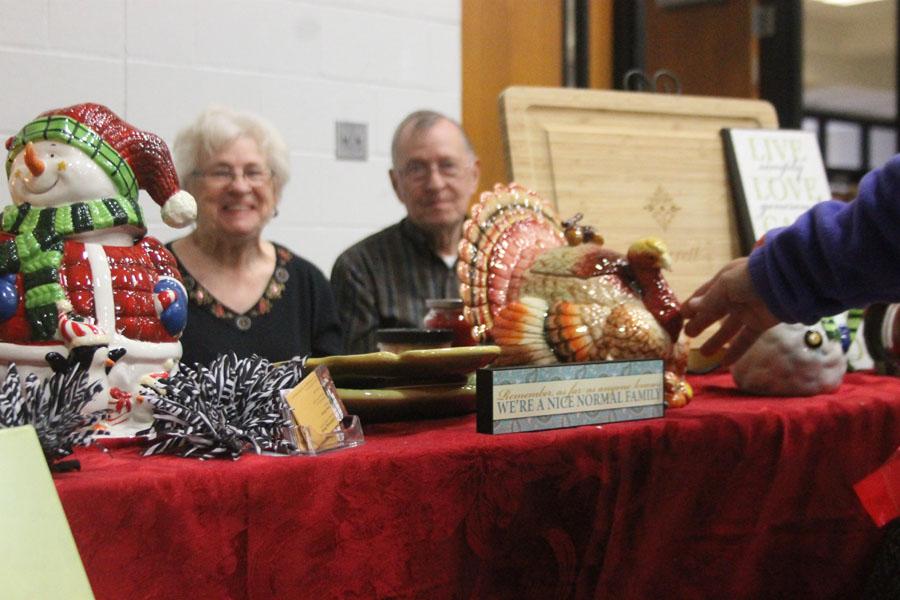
<point>400,340</point>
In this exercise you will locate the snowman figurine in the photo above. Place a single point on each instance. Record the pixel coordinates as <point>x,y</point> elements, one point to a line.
<point>79,280</point>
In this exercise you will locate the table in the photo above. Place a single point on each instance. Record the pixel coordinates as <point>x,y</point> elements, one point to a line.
<point>730,497</point>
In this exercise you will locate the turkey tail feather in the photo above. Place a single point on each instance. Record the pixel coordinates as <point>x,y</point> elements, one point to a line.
<point>507,229</point>
<point>519,330</point>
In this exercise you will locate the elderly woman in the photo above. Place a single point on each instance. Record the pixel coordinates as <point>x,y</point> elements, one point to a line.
<point>247,295</point>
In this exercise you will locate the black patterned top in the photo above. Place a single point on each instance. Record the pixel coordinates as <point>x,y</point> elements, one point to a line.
<point>295,316</point>
<point>384,280</point>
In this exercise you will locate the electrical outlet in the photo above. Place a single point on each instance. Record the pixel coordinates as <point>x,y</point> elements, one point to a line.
<point>351,141</point>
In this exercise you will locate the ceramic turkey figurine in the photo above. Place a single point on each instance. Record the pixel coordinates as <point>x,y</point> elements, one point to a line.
<point>549,292</point>
<point>79,281</point>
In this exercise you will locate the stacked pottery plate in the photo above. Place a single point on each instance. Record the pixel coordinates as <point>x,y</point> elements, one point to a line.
<point>413,384</point>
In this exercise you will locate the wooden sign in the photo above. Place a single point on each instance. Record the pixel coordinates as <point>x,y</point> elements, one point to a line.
<point>636,165</point>
<point>516,399</point>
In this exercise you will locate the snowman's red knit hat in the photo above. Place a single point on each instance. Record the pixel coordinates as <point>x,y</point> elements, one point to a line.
<point>146,154</point>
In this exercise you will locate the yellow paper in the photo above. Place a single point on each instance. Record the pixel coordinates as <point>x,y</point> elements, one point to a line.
<point>314,408</point>
<point>38,557</point>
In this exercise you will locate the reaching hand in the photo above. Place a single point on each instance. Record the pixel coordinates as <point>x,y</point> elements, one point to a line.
<point>730,296</point>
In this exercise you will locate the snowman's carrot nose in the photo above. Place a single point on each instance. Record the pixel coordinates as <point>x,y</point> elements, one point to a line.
<point>34,164</point>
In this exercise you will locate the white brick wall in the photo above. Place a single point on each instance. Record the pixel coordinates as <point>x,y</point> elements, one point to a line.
<point>302,64</point>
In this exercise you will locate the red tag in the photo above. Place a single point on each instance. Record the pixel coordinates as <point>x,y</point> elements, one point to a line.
<point>879,491</point>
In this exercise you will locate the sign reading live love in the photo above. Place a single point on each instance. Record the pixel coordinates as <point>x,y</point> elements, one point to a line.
<point>775,176</point>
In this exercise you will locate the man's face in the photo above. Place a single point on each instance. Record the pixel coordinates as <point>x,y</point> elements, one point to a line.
<point>435,176</point>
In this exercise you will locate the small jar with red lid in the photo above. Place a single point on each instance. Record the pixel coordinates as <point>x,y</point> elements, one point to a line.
<point>447,313</point>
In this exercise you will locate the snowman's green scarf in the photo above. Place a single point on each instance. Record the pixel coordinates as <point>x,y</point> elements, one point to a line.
<point>37,249</point>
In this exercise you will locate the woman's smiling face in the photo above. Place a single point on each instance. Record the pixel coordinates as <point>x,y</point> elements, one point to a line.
<point>50,173</point>
<point>235,193</point>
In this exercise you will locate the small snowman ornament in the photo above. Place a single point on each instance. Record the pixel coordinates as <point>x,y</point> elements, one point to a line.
<point>79,280</point>
<point>791,360</point>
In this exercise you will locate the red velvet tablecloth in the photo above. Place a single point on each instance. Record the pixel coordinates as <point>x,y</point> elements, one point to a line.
<point>731,497</point>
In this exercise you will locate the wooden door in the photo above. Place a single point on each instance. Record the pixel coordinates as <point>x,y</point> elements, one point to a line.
<point>600,44</point>
<point>504,42</point>
<point>520,42</point>
<point>709,45</point>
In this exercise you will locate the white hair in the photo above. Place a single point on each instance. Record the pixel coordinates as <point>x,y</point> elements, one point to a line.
<point>217,127</point>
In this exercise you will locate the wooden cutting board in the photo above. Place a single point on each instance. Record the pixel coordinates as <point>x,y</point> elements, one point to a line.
<point>636,165</point>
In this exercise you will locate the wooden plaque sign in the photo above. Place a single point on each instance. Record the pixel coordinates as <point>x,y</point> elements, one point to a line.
<point>635,164</point>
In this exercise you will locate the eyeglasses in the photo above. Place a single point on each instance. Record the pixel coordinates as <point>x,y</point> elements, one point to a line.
<point>222,177</point>
<point>419,171</point>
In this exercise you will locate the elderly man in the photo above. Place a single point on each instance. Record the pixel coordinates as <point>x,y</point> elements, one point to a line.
<point>384,280</point>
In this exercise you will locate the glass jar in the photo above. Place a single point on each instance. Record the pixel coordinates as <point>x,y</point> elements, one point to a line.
<point>881,330</point>
<point>447,313</point>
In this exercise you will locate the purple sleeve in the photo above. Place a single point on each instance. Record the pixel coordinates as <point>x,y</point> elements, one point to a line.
<point>836,255</point>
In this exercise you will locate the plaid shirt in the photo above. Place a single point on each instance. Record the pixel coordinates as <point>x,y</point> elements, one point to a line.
<point>384,280</point>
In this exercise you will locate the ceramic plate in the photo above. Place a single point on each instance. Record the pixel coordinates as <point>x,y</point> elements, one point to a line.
<point>412,364</point>
<point>414,402</point>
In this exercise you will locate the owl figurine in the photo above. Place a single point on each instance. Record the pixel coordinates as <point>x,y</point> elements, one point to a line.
<point>791,360</point>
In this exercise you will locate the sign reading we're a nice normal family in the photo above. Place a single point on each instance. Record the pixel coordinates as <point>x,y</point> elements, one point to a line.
<point>567,395</point>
